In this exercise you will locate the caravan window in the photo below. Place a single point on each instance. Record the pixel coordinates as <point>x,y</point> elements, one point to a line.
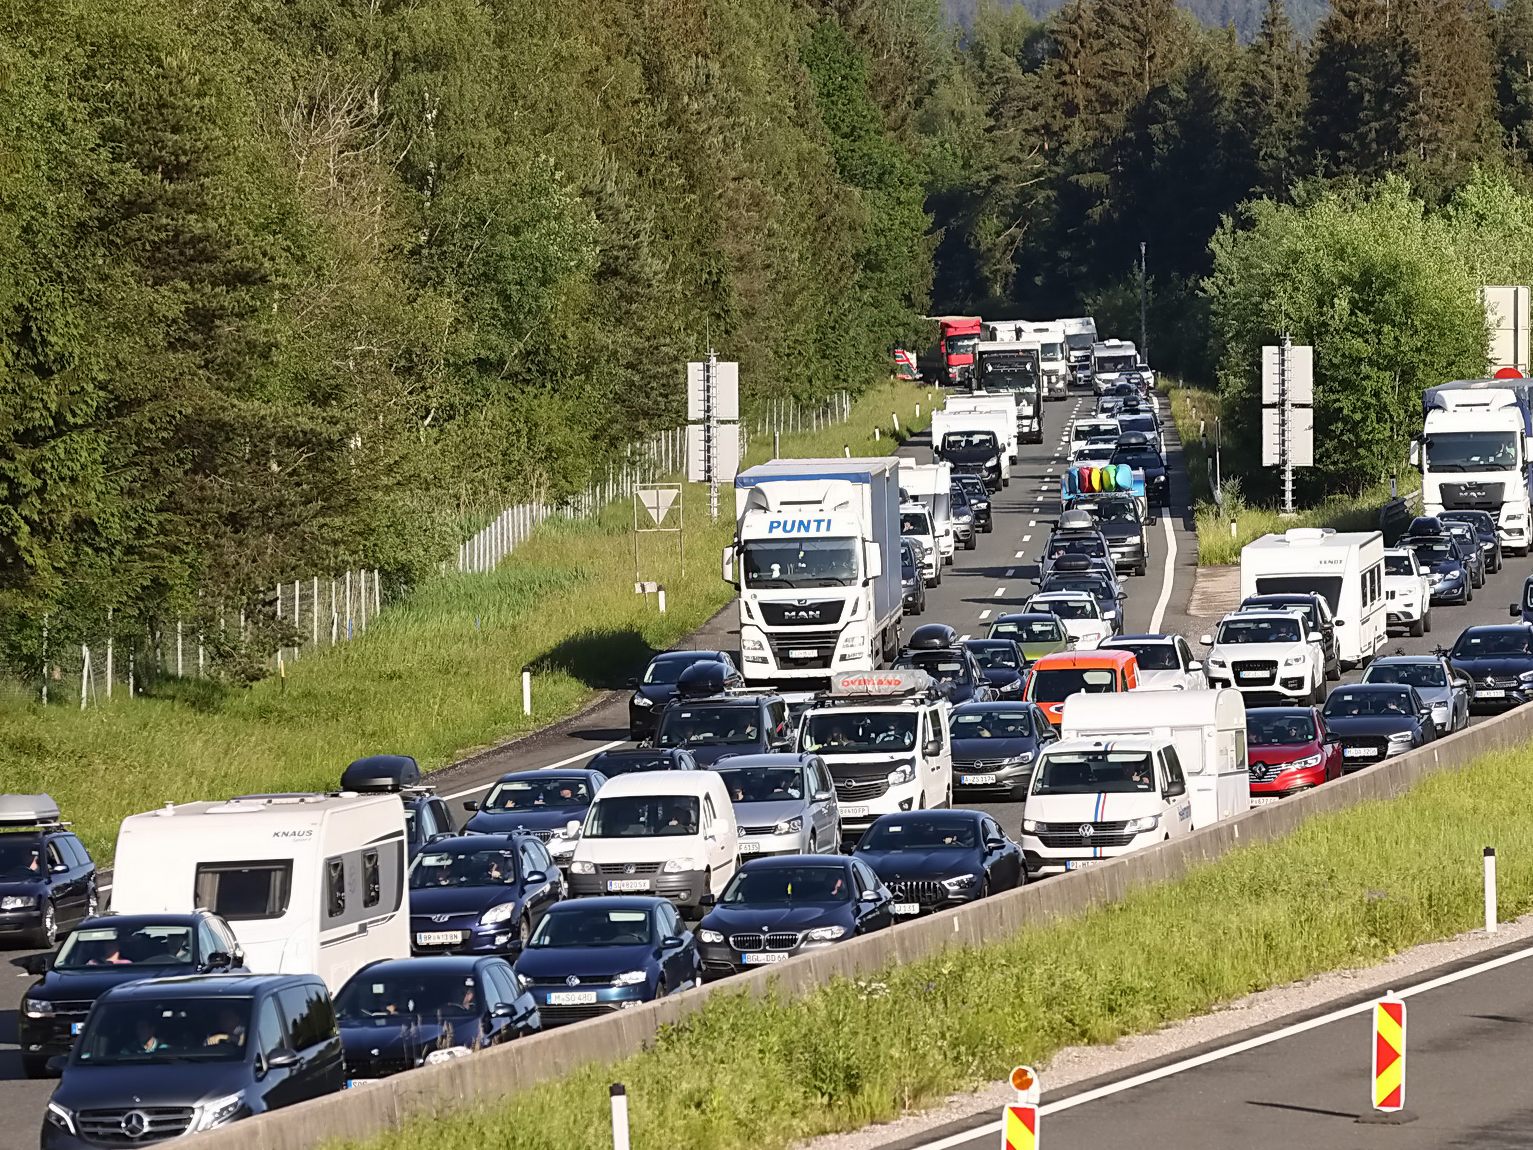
<point>241,891</point>
<point>335,887</point>
<point>372,884</point>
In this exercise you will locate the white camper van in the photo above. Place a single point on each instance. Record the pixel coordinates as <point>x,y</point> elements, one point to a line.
<point>310,883</point>
<point>932,484</point>
<point>1208,729</point>
<point>1347,568</point>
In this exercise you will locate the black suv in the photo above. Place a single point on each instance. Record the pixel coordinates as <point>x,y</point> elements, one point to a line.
<point>937,650</point>
<point>108,951</point>
<point>1140,453</point>
<point>47,878</point>
<point>171,1056</point>
<point>657,686</point>
<point>979,500</point>
<point>712,718</point>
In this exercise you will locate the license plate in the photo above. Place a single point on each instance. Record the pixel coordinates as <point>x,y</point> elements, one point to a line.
<point>766,958</point>
<point>1263,800</point>
<point>1077,864</point>
<point>905,907</point>
<point>749,848</point>
<point>628,884</point>
<point>439,937</point>
<point>1253,675</point>
<point>1489,693</point>
<point>802,653</point>
<point>572,998</point>
<point>75,1028</point>
<point>1358,752</point>
<point>854,812</point>
<point>351,1083</point>
<point>976,780</point>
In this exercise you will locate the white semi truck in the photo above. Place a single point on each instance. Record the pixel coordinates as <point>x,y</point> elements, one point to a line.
<point>1080,337</point>
<point>816,562</point>
<point>1474,455</point>
<point>1050,338</point>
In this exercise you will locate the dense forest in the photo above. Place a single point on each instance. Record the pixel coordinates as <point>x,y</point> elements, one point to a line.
<point>1245,16</point>
<point>288,286</point>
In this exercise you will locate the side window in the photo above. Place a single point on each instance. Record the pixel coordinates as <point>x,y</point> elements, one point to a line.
<point>440,814</point>
<point>75,848</point>
<point>1173,767</point>
<point>208,941</point>
<point>335,887</point>
<point>310,1018</point>
<point>529,859</point>
<point>425,820</point>
<point>866,879</point>
<point>56,855</point>
<point>777,712</point>
<point>498,985</point>
<point>270,1036</point>
<point>710,816</point>
<point>372,882</point>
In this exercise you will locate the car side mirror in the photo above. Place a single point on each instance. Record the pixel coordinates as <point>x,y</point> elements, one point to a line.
<point>1195,665</point>
<point>1514,610</point>
<point>869,896</point>
<point>1206,640</point>
<point>281,1058</point>
<point>470,805</point>
<point>219,958</point>
<point>33,963</point>
<point>707,900</point>
<point>671,942</point>
<point>537,876</point>
<point>1338,622</point>
<point>994,844</point>
<point>824,796</point>
<point>503,1010</point>
<point>572,829</point>
<point>57,1063</point>
<point>60,868</point>
<point>1176,790</point>
<point>633,683</point>
<point>1154,519</point>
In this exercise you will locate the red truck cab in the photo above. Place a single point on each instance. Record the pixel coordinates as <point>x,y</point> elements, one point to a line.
<point>960,337</point>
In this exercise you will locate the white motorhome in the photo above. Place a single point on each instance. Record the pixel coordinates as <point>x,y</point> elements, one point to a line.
<point>1002,403</point>
<point>1095,799</point>
<point>932,484</point>
<point>310,883</point>
<point>1208,729</point>
<point>1347,568</point>
<point>1111,360</point>
<point>961,438</point>
<point>1053,354</point>
<point>916,522</point>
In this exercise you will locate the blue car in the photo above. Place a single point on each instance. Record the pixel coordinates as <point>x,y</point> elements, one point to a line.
<point>1440,557</point>
<point>933,860</point>
<point>480,894</point>
<point>1376,721</point>
<point>615,763</point>
<point>1498,662</point>
<point>590,957</point>
<point>1002,663</point>
<point>539,803</point>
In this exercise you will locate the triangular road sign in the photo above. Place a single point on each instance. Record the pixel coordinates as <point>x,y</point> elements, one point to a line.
<point>658,501</point>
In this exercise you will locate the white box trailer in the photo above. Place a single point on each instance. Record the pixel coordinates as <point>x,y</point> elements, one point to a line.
<point>1207,728</point>
<point>1347,568</point>
<point>1004,403</point>
<point>931,484</point>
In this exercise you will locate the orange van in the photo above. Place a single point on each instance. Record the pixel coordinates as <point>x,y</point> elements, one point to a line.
<point>1054,678</point>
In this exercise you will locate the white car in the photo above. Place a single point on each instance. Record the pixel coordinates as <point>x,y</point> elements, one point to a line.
<point>1407,591</point>
<point>1079,612</point>
<point>1271,655</point>
<point>1091,427</point>
<point>1093,453</point>
<point>1166,662</point>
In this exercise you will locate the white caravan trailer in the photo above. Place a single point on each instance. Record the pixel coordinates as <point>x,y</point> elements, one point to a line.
<point>310,883</point>
<point>1207,728</point>
<point>932,484</point>
<point>1345,567</point>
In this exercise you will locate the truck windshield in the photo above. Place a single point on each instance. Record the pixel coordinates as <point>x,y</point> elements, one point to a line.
<point>1052,352</point>
<point>1472,451</point>
<point>1111,364</point>
<point>1094,772</point>
<point>961,344</point>
<point>800,563</point>
<point>859,732</point>
<point>1080,340</point>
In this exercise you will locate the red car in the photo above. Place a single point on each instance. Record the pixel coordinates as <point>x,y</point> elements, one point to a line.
<point>1288,750</point>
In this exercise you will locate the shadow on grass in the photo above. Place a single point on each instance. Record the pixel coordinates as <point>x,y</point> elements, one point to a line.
<point>602,660</point>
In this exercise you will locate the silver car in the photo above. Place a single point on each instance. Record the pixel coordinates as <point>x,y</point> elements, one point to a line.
<point>1439,686</point>
<point>785,804</point>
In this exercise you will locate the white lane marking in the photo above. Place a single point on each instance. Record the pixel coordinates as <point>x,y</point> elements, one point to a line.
<point>1025,539</point>
<point>1019,554</point>
<point>999,591</point>
<point>1010,571</point>
<point>1031,523</point>
<point>548,767</point>
<point>1050,471</point>
<point>990,1129</point>
<point>963,638</point>
<point>985,614</point>
<point>1165,589</point>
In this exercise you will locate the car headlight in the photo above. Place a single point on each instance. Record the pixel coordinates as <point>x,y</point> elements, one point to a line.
<point>1132,540</point>
<point>629,978</point>
<point>1307,761</point>
<point>559,847</point>
<point>1295,660</point>
<point>18,901</point>
<point>710,936</point>
<point>218,1110</point>
<point>61,1116</point>
<point>1029,826</point>
<point>1436,576</point>
<point>1140,826</point>
<point>445,1054</point>
<point>37,1008</point>
<point>580,866</point>
<point>1018,760</point>
<point>749,644</point>
<point>789,826</point>
<point>904,773</point>
<point>676,866</point>
<point>1525,677</point>
<point>499,913</point>
<point>961,882</point>
<point>1401,739</point>
<point>643,701</point>
<point>1216,662</point>
<point>825,933</point>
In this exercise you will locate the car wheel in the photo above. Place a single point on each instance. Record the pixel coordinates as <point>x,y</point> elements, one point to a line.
<point>47,935</point>
<point>1418,628</point>
<point>1426,620</point>
<point>523,932</point>
<point>971,543</point>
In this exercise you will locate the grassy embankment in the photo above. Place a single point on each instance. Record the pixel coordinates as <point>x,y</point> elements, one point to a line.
<point>1347,889</point>
<point>434,676</point>
<point>1217,543</point>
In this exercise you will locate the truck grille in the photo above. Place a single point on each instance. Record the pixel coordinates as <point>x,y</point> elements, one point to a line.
<point>860,790</point>
<point>927,892</point>
<point>627,868</point>
<point>1472,496</point>
<point>775,940</point>
<point>821,646</point>
<point>1255,672</point>
<point>1060,836</point>
<point>107,1127</point>
<point>817,614</point>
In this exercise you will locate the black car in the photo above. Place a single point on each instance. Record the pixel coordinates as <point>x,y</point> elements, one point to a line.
<point>426,815</point>
<point>1375,721</point>
<point>979,500</point>
<point>975,453</point>
<point>47,878</point>
<point>1498,661</point>
<point>932,860</point>
<point>399,1013</point>
<point>611,764</point>
<point>1316,609</point>
<point>994,748</point>
<point>935,649</point>
<point>1136,450</point>
<point>1002,663</point>
<point>171,1056</point>
<point>783,905</point>
<point>1123,526</point>
<point>1485,531</point>
<point>657,686</point>
<point>1470,548</point>
<point>108,951</point>
<point>1442,558</point>
<point>709,721</point>
<point>912,579</point>
<point>541,803</point>
<point>480,894</point>
<point>1065,575</point>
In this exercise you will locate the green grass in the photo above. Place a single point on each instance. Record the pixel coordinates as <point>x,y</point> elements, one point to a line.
<point>1223,531</point>
<point>435,676</point>
<point>1346,889</point>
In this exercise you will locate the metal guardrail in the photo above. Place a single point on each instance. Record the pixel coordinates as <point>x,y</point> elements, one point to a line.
<point>1396,515</point>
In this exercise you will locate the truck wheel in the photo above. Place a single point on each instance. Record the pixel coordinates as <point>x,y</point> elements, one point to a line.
<point>1418,628</point>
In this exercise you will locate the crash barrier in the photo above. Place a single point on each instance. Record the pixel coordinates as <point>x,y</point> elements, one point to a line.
<point>492,1075</point>
<point>1396,515</point>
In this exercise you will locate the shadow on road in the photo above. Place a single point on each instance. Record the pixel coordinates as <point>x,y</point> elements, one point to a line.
<point>1350,1116</point>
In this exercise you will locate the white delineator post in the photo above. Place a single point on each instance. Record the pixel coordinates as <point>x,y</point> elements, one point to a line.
<point>526,691</point>
<point>1490,890</point>
<point>661,593</point>
<point>619,1117</point>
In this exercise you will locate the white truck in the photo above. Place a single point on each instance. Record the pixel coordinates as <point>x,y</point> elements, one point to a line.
<point>960,439</point>
<point>1347,568</point>
<point>931,484</point>
<point>1080,337</point>
<point>1052,353</point>
<point>1476,454</point>
<point>1004,402</point>
<point>1013,367</point>
<point>1111,360</point>
<point>816,561</point>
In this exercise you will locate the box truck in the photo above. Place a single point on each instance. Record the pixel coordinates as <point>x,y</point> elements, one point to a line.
<point>1346,567</point>
<point>931,484</point>
<point>1474,454</point>
<point>1080,336</point>
<point>816,559</point>
<point>1004,402</point>
<point>1013,368</point>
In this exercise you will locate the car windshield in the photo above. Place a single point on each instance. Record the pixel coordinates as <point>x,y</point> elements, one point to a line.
<point>1411,674</point>
<point>1097,588</point>
<point>538,794</point>
<point>468,867</point>
<point>570,924</point>
<point>1479,520</point>
<point>175,1028</point>
<point>150,944</point>
<point>1091,546</point>
<point>915,523</point>
<point>800,562</point>
<point>975,489</point>
<point>1281,730</point>
<point>614,763</point>
<point>1472,451</point>
<point>763,784</point>
<point>393,999</point>
<point>1305,607</point>
<point>642,816</point>
<point>1053,685</point>
<point>1255,630</point>
<point>1096,452</point>
<point>1016,723</point>
<point>1142,458</point>
<point>1113,510</point>
<point>1085,432</point>
<point>1071,608</point>
<point>944,666</point>
<point>860,732</point>
<point>996,656</point>
<point>780,885</point>
<point>1492,643</point>
<point>1093,772</point>
<point>1398,565</point>
<point>721,725</point>
<point>1344,704</point>
<point>1144,423</point>
<point>21,857</point>
<point>668,670</point>
<point>1043,630</point>
<point>920,835</point>
<point>1151,656</point>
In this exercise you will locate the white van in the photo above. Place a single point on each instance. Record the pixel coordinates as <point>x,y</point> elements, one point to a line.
<point>1093,799</point>
<point>310,883</point>
<point>1347,568</point>
<point>1208,729</point>
<point>667,833</point>
<point>932,484</point>
<point>916,522</point>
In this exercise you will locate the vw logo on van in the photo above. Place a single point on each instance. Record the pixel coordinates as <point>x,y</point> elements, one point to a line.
<point>628,868</point>
<point>572,981</point>
<point>1087,830</point>
<point>134,1124</point>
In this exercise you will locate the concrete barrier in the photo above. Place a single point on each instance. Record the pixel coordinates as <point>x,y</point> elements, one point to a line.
<point>496,1074</point>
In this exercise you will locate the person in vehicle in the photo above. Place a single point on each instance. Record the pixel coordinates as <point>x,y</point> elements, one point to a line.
<point>229,1031</point>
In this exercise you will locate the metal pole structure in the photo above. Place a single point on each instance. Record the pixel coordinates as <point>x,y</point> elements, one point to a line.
<point>109,652</point>
<point>711,433</point>
<point>1144,331</point>
<point>1285,414</point>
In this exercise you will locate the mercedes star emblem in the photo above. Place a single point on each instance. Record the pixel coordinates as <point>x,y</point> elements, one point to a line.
<point>135,1124</point>
<point>572,981</point>
<point>1087,830</point>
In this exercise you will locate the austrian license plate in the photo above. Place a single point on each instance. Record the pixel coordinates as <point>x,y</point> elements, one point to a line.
<point>976,780</point>
<point>1079,864</point>
<point>1489,693</point>
<point>351,1083</point>
<point>1252,675</point>
<point>75,1028</point>
<point>1263,800</point>
<point>802,653</point>
<point>438,937</point>
<point>628,884</point>
<point>765,958</point>
<point>747,847</point>
<point>572,998</point>
<point>1358,752</point>
<point>854,812</point>
<point>905,907</point>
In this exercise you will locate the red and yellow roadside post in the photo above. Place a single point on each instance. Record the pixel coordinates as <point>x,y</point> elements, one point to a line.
<point>1387,1087</point>
<point>1019,1121</point>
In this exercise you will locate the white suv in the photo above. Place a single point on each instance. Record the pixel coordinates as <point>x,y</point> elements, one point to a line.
<point>1269,656</point>
<point>1407,591</point>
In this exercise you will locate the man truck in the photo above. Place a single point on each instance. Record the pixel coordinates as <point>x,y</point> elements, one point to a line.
<point>1474,454</point>
<point>960,336</point>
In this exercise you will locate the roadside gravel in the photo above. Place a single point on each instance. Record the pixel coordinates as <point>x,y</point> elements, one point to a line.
<point>1081,1063</point>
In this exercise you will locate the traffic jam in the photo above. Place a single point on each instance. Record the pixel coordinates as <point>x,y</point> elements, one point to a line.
<point>850,767</point>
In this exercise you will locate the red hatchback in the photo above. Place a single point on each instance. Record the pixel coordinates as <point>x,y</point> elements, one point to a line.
<point>1288,750</point>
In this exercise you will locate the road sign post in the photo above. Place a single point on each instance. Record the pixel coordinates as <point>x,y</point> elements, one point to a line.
<point>1387,1090</point>
<point>657,508</point>
<point>713,430</point>
<point>1019,1119</point>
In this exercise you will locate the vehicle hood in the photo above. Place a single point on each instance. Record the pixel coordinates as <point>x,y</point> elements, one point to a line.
<point>1000,677</point>
<point>989,749</point>
<point>1036,651</point>
<point>748,919</point>
<point>1243,651</point>
<point>1504,668</point>
<point>1099,808</point>
<point>84,985</point>
<point>1371,724</point>
<point>1162,680</point>
<point>1448,566</point>
<point>407,1038</point>
<point>1407,583</point>
<point>504,822</point>
<point>916,864</point>
<point>1118,530</point>
<point>658,693</point>
<point>459,899</point>
<point>1079,627</point>
<point>765,814</point>
<point>584,962</point>
<point>707,754</point>
<point>168,1084</point>
<point>23,886</point>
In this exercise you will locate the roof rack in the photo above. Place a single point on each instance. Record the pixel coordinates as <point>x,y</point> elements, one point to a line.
<point>29,812</point>
<point>899,684</point>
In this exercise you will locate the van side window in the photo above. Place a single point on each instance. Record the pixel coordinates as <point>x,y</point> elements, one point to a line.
<point>1173,767</point>
<point>710,816</point>
<point>372,883</point>
<point>335,887</point>
<point>934,731</point>
<point>777,712</point>
<point>269,1034</point>
<point>310,1017</point>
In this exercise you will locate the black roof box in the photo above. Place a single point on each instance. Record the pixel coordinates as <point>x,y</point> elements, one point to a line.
<point>707,677</point>
<point>1072,563</point>
<point>932,637</point>
<point>381,774</point>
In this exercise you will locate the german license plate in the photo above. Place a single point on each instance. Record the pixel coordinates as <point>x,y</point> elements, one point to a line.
<point>764,958</point>
<point>1078,864</point>
<point>572,998</point>
<point>1263,800</point>
<point>438,937</point>
<point>854,812</point>
<point>802,653</point>
<point>976,780</point>
<point>1252,675</point>
<point>1358,752</point>
<point>905,907</point>
<point>747,847</point>
<point>75,1028</point>
<point>1489,693</point>
<point>628,884</point>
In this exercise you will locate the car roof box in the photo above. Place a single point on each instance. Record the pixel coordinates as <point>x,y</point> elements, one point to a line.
<point>703,678</point>
<point>381,774</point>
<point>932,637</point>
<point>27,810</point>
<point>1076,521</point>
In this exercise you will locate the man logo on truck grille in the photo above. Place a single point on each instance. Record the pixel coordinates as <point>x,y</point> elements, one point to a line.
<point>1087,830</point>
